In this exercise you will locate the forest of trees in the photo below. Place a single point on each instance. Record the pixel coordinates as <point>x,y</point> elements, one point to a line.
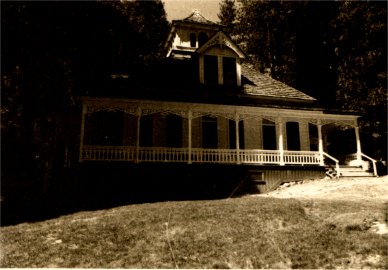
<point>336,51</point>
<point>55,52</point>
<point>52,54</point>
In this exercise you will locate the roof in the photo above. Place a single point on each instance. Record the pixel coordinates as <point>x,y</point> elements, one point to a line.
<point>222,39</point>
<point>196,17</point>
<point>257,89</point>
<point>258,84</point>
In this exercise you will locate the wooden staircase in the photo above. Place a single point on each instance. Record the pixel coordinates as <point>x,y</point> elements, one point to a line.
<point>348,171</point>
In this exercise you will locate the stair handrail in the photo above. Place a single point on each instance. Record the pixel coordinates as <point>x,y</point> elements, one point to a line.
<point>373,163</point>
<point>337,168</point>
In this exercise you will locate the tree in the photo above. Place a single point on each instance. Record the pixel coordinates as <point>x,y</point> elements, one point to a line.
<point>52,54</point>
<point>227,15</point>
<point>266,31</point>
<point>360,44</point>
<point>334,51</point>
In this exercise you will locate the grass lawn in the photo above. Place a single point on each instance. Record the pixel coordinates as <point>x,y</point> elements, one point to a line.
<point>247,232</point>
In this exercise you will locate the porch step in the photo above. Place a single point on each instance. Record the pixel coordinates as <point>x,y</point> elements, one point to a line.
<point>352,171</point>
<point>348,171</point>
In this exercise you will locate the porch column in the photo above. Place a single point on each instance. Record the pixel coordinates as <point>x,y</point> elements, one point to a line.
<point>220,70</point>
<point>238,71</point>
<point>138,115</point>
<point>189,118</point>
<point>358,142</point>
<point>82,135</point>
<point>320,142</point>
<point>236,117</point>
<point>201,69</point>
<point>280,140</point>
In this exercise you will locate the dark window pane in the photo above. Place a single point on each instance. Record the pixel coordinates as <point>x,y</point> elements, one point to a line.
<point>211,69</point>
<point>202,38</point>
<point>173,131</point>
<point>104,128</point>
<point>269,135</point>
<point>293,139</point>
<point>229,71</point>
<point>146,131</point>
<point>193,40</point>
<point>209,132</point>
<point>313,134</point>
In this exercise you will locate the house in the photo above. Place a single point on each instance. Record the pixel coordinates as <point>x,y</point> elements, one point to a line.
<point>205,106</point>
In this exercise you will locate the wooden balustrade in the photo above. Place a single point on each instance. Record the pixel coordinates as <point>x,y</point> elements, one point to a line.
<point>160,154</point>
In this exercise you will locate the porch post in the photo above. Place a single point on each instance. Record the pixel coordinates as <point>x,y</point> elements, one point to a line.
<point>201,69</point>
<point>358,142</point>
<point>238,71</point>
<point>236,117</point>
<point>320,142</point>
<point>138,115</point>
<point>280,140</point>
<point>82,135</point>
<point>189,118</point>
<point>220,71</point>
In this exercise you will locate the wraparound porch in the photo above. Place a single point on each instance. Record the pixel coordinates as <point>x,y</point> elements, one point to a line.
<point>235,134</point>
<point>228,156</point>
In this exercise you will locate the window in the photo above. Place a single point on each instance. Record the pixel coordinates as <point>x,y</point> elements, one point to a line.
<point>209,132</point>
<point>293,139</point>
<point>173,131</point>
<point>211,69</point>
<point>146,131</point>
<point>193,40</point>
<point>229,71</point>
<point>313,134</point>
<point>202,38</point>
<point>269,135</point>
<point>104,128</point>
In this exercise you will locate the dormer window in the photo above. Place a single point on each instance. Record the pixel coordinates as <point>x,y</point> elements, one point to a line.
<point>211,69</point>
<point>202,38</point>
<point>220,61</point>
<point>229,70</point>
<point>193,40</point>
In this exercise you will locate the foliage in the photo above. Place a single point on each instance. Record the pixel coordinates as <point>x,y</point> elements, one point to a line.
<point>360,42</point>
<point>52,54</point>
<point>249,232</point>
<point>334,51</point>
<point>227,15</point>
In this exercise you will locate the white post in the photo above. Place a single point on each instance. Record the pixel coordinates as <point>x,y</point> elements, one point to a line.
<point>280,141</point>
<point>189,118</point>
<point>358,142</point>
<point>237,139</point>
<point>238,71</point>
<point>82,135</point>
<point>320,142</point>
<point>138,115</point>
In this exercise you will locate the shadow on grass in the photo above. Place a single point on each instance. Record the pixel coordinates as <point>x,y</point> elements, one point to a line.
<point>112,185</point>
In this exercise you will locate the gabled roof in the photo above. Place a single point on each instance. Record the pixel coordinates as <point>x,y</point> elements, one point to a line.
<point>221,39</point>
<point>258,84</point>
<point>196,17</point>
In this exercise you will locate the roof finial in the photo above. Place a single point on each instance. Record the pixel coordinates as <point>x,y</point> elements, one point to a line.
<point>196,11</point>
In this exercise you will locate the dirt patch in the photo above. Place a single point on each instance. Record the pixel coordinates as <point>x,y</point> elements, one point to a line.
<point>374,189</point>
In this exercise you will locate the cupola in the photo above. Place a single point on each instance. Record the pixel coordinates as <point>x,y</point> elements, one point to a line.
<point>219,58</point>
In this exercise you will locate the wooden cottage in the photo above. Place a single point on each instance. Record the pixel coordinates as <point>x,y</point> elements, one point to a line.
<point>204,105</point>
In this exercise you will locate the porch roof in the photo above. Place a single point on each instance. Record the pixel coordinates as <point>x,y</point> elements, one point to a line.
<point>132,106</point>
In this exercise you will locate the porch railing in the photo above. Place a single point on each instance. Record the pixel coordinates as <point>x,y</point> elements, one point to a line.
<point>337,167</point>
<point>199,155</point>
<point>362,155</point>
